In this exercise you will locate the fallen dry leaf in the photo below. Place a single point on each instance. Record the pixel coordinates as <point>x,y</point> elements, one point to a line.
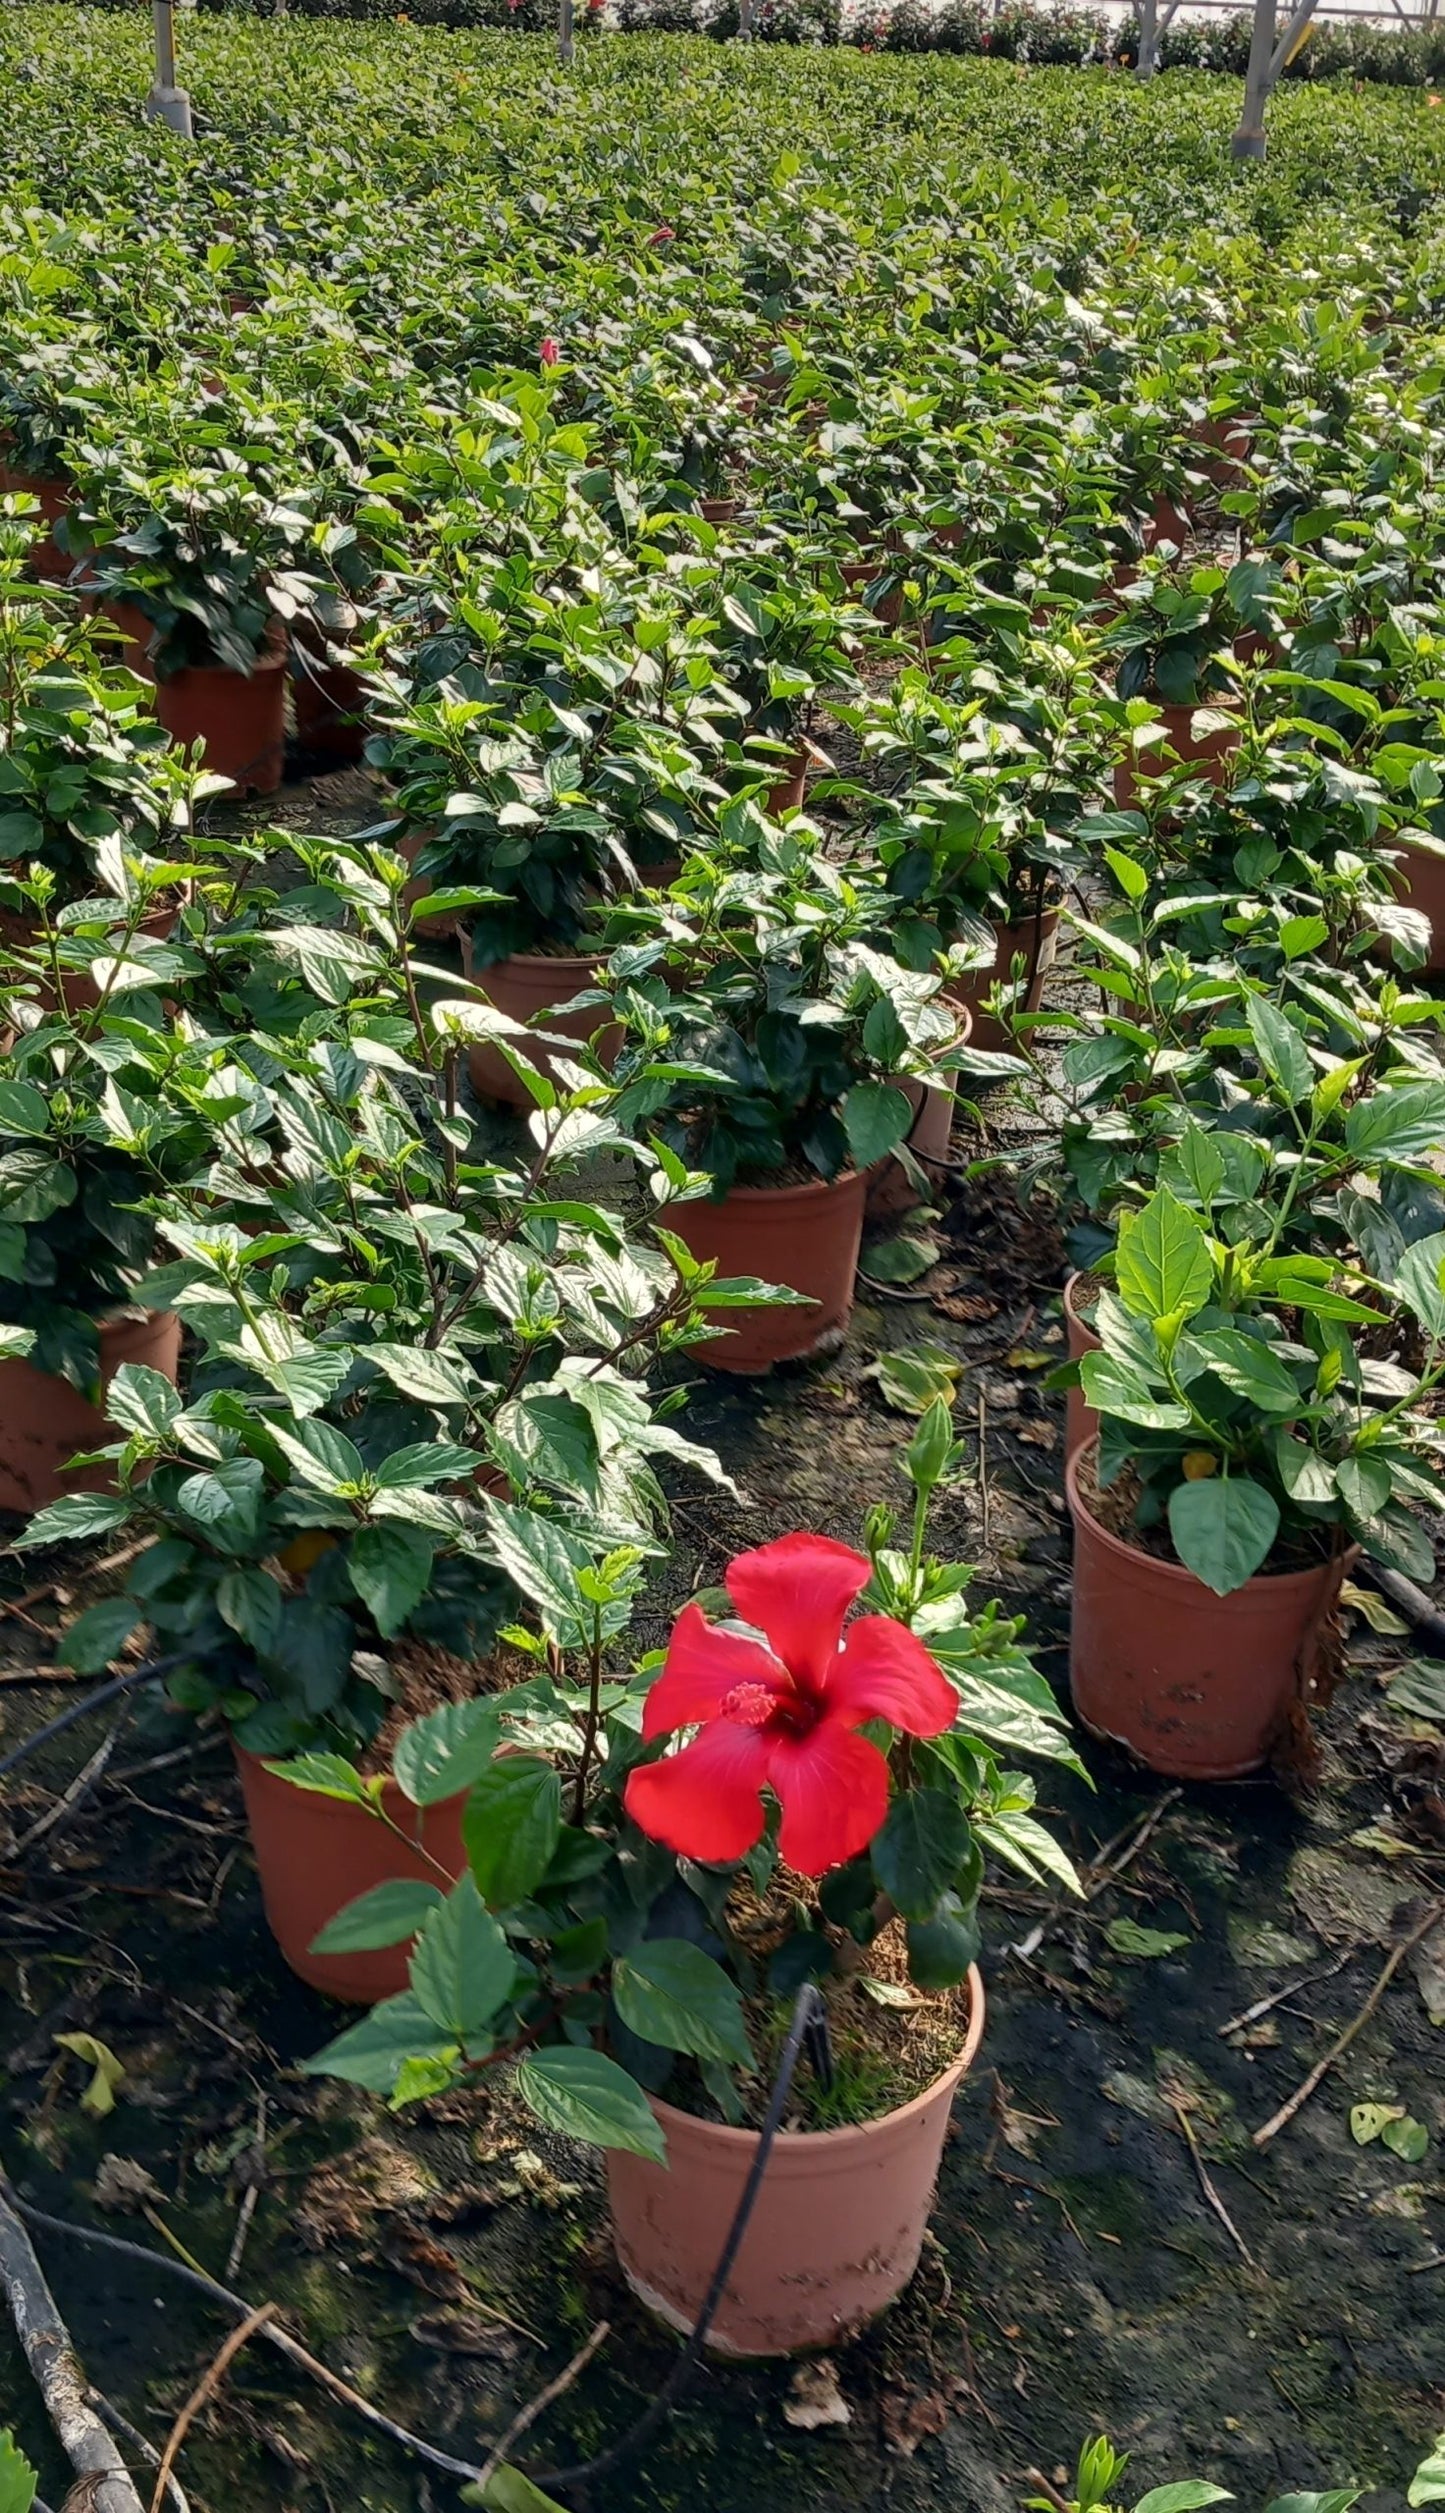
<point>910,2417</point>
<point>122,2183</point>
<point>462,2333</point>
<point>814,2398</point>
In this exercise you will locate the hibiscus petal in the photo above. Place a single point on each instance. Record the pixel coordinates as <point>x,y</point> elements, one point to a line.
<point>704,1664</point>
<point>704,1802</point>
<point>885,1672</point>
<point>797,1591</point>
<point>833,1789</point>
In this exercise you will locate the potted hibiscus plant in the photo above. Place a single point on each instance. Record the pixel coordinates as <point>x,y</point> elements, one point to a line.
<point>83,1144</point>
<point>386,1327</point>
<point>198,566</point>
<point>770,1041</point>
<point>979,784</point>
<point>1250,1442</point>
<point>559,763</point>
<point>83,759</point>
<point>639,1910</point>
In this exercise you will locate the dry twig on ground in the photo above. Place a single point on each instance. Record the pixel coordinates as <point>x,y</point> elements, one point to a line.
<point>86,2442</point>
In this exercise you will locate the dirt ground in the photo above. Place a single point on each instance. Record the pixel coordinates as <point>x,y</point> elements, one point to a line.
<point>447,2265</point>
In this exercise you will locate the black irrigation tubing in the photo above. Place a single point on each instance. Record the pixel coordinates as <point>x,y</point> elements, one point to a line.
<point>809,2027</point>
<point>148,1673</point>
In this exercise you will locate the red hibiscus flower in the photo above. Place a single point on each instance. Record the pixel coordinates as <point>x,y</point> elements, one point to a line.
<point>549,352</point>
<point>784,1711</point>
<point>662,235</point>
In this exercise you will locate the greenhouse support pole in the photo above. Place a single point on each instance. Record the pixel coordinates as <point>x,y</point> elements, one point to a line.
<point>745,18</point>
<point>1249,139</point>
<point>1148,61</point>
<point>166,102</point>
<point>1292,39</point>
<point>566,40</point>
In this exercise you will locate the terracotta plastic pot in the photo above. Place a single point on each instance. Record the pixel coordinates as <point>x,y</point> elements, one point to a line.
<point>315,1854</point>
<point>1197,1687</point>
<point>44,1421</point>
<point>1211,754</point>
<point>1229,442</point>
<point>1081,1423</point>
<point>1420,880</point>
<point>528,987</point>
<point>806,1237</point>
<point>239,716</point>
<point>1167,522</point>
<point>790,792</point>
<point>890,1189</point>
<point>861,573</point>
<point>329,700</point>
<point>717,510</point>
<point>833,2238</point>
<point>1011,942</point>
<point>46,559</point>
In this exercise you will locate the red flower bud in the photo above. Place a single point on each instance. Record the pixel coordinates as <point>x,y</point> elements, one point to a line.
<point>549,352</point>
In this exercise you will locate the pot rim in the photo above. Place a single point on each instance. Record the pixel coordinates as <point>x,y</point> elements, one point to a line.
<point>846,1180</point>
<point>1233,1598</point>
<point>835,2141</point>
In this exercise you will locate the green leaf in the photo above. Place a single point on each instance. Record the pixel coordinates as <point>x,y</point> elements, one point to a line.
<point>507,2491</point>
<point>511,1825</point>
<point>446,1751</point>
<point>585,2095</point>
<point>1164,1267</point>
<point>534,1552</point>
<point>142,1400</point>
<point>1364,1482</point>
<point>1406,2138</point>
<point>249,1600</point>
<point>1279,1047</point>
<point>941,1948</point>
<point>370,2054</point>
<point>23,1109</point>
<point>924,1841</point>
<point>462,1968</point>
<point>875,1117</point>
<point>1131,877</point>
<point>1428,2484</point>
<point>1417,1689</point>
<point>18,2481</point>
<point>1245,1366</point>
<point>1128,1937</point>
<point>390,1567</point>
<point>900,1260</point>
<point>75,1516</point>
<point>1112,1388</point>
<point>96,1638</point>
<point>1420,1279</point>
<point>226,1500</point>
<point>670,1992</point>
<point>1184,2495</point>
<point>1223,1527</point>
<point>390,1915</point>
<point>1402,1124</point>
<point>327,1775</point>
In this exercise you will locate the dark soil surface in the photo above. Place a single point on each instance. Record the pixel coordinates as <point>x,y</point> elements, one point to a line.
<point>448,2263</point>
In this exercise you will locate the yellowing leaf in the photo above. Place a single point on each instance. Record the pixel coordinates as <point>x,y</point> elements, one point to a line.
<point>99,2096</point>
<point>1367,2120</point>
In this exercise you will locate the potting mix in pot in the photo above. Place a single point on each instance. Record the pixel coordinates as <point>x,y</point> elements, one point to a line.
<point>722,793</point>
